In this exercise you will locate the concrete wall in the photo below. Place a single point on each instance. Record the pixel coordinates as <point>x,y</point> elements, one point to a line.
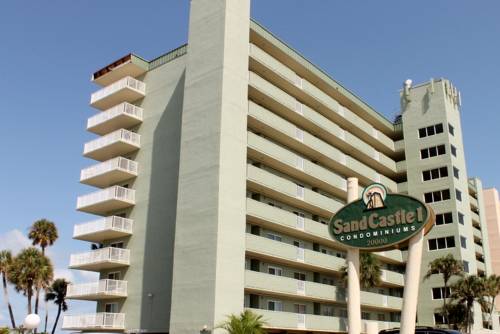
<point>210,232</point>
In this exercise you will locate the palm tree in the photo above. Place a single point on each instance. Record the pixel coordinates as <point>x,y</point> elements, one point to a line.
<point>457,315</point>
<point>491,286</point>
<point>57,293</point>
<point>43,232</point>
<point>448,266</point>
<point>5,264</point>
<point>29,270</point>
<point>370,271</point>
<point>246,322</point>
<point>467,290</point>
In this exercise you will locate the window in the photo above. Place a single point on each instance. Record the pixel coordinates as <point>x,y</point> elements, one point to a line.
<point>439,293</point>
<point>381,317</point>
<point>451,129</point>
<point>276,271</point>
<point>466,266</point>
<point>117,244</point>
<point>274,237</point>
<point>299,308</point>
<point>458,194</point>
<point>328,311</point>
<point>453,150</point>
<point>111,308</point>
<point>463,242</point>
<point>461,218</point>
<point>438,319</point>
<point>456,173</point>
<point>114,275</point>
<point>343,313</point>
<point>430,130</point>
<point>274,305</point>
<point>299,276</point>
<point>432,151</point>
<point>444,218</point>
<point>436,173</point>
<point>441,243</point>
<point>437,196</point>
<point>365,315</point>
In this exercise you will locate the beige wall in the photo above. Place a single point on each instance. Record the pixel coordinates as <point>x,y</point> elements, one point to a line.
<point>492,206</point>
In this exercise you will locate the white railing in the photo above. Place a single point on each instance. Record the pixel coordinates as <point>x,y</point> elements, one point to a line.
<point>115,136</point>
<point>121,163</point>
<point>95,320</point>
<point>108,254</point>
<point>101,287</point>
<point>124,108</point>
<point>114,223</point>
<point>127,82</point>
<point>111,193</point>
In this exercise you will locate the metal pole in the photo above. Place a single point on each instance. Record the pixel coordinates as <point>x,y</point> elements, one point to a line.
<point>412,281</point>
<point>353,288</point>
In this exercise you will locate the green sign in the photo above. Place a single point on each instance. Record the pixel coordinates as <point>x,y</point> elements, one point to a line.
<point>380,221</point>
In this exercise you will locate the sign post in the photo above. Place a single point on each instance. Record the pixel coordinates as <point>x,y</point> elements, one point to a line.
<point>381,221</point>
<point>412,281</point>
<point>353,288</point>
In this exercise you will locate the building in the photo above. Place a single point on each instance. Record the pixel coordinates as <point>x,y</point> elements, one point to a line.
<point>492,213</point>
<point>219,166</point>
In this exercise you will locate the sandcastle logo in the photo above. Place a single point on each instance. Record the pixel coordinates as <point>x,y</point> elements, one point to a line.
<point>374,196</point>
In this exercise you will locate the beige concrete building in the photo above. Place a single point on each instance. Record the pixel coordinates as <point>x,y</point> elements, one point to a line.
<point>219,165</point>
<point>492,210</point>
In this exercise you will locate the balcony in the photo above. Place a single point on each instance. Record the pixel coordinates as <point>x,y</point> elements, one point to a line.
<point>130,65</point>
<point>122,116</point>
<point>309,322</point>
<point>290,193</point>
<point>282,220</point>
<point>95,321</point>
<point>127,89</point>
<point>109,199</point>
<point>103,289</point>
<point>284,286</point>
<point>99,259</point>
<point>109,172</point>
<point>116,143</point>
<point>103,229</point>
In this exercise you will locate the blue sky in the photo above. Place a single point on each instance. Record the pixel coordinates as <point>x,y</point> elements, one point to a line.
<point>48,50</point>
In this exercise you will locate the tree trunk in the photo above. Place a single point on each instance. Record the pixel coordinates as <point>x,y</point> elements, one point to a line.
<point>6,297</point>
<point>445,310</point>
<point>57,319</point>
<point>30,294</point>
<point>46,316</point>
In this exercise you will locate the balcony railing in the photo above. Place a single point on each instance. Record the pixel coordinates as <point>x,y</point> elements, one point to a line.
<point>102,289</point>
<point>109,172</point>
<point>127,89</point>
<point>124,115</point>
<point>116,143</point>
<point>103,229</point>
<point>94,321</point>
<point>98,259</point>
<point>102,201</point>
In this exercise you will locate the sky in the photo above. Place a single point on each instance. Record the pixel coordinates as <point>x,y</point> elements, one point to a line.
<point>49,49</point>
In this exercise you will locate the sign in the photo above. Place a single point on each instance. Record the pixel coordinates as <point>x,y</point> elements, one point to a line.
<point>380,221</point>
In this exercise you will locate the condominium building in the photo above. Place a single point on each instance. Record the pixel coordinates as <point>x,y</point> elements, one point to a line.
<point>219,165</point>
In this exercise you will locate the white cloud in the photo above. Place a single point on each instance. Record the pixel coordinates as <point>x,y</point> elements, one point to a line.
<point>14,240</point>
